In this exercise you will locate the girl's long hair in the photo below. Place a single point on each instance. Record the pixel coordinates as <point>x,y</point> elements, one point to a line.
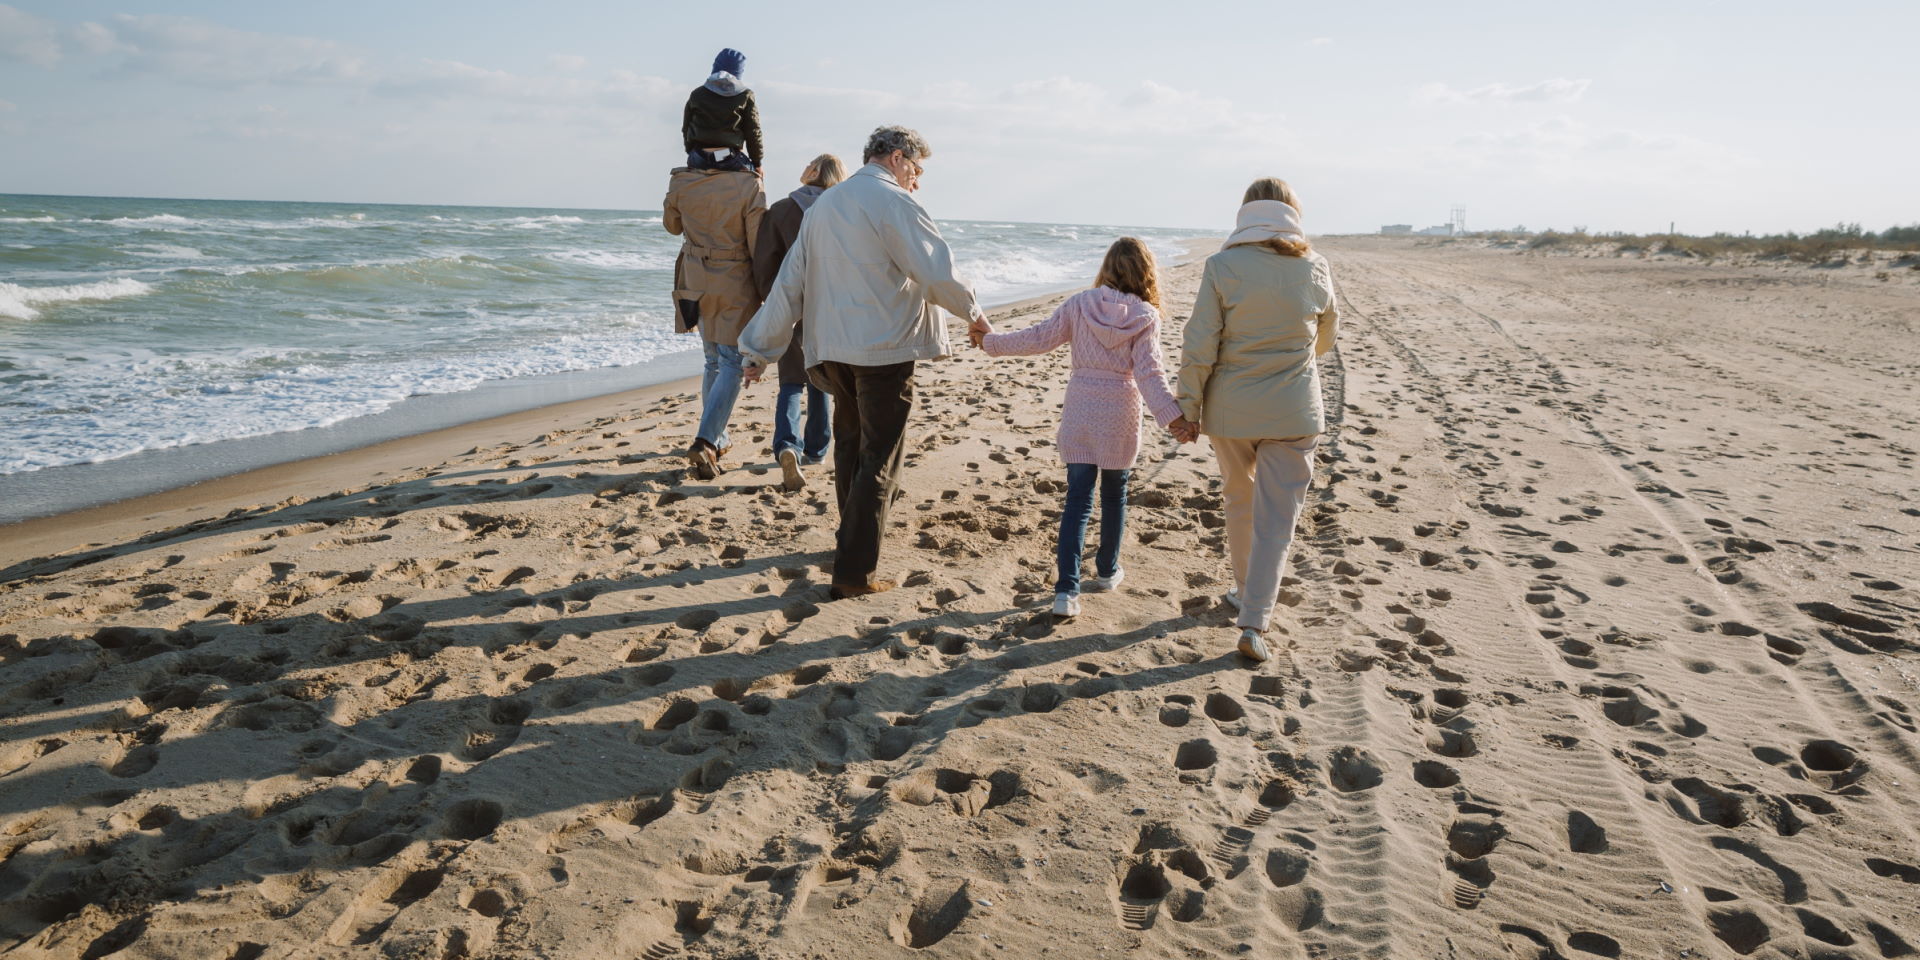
<point>1130,268</point>
<point>1274,188</point>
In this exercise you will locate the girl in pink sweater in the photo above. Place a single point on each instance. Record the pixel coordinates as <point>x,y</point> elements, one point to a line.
<point>1115,332</point>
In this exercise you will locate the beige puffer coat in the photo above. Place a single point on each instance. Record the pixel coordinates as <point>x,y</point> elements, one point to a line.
<point>718,211</point>
<point>1248,367</point>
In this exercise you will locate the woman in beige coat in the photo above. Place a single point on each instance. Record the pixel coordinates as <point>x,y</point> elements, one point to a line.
<point>1249,377</point>
<point>718,212</point>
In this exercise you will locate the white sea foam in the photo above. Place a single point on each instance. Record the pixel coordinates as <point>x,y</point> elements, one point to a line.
<point>18,302</point>
<point>165,251</point>
<point>615,259</point>
<point>27,219</point>
<point>157,220</point>
<point>537,223</point>
<point>256,392</point>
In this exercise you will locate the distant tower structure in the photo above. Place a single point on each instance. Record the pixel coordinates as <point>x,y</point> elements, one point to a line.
<point>1457,220</point>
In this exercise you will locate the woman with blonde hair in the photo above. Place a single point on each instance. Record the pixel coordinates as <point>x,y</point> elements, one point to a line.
<point>777,233</point>
<point>1115,331</point>
<point>1250,378</point>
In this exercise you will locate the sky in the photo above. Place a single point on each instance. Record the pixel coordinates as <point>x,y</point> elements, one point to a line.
<point>1759,116</point>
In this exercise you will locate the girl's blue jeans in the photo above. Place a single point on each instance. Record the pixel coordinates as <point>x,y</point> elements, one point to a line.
<point>1081,478</point>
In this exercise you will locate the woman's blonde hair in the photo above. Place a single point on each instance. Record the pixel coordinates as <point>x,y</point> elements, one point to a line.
<point>1130,268</point>
<point>824,171</point>
<point>1274,188</point>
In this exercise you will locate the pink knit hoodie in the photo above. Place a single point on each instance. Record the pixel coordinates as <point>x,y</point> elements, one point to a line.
<point>1116,357</point>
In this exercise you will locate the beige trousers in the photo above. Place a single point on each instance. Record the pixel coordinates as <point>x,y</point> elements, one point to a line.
<point>1265,487</point>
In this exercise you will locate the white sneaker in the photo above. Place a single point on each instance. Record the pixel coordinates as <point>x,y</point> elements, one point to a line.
<point>1105,584</point>
<point>1253,646</point>
<point>1065,606</point>
<point>1233,600</point>
<point>791,477</point>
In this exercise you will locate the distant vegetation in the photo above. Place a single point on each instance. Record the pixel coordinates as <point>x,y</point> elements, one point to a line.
<point>1838,242</point>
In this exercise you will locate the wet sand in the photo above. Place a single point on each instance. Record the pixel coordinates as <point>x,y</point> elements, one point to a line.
<point>1600,640</point>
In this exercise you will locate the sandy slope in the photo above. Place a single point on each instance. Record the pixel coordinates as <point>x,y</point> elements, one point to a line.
<point>1602,643</point>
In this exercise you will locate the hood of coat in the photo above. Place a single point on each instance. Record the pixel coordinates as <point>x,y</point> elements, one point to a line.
<point>805,196</point>
<point>725,84</point>
<point>1114,316</point>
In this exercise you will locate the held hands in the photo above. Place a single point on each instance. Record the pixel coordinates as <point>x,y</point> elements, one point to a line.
<point>750,374</point>
<point>977,330</point>
<point>1184,430</point>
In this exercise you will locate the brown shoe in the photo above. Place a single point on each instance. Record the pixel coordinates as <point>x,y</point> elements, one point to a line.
<point>844,591</point>
<point>700,455</point>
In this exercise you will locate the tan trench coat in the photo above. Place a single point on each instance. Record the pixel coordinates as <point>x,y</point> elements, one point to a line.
<point>718,211</point>
<point>1248,370</point>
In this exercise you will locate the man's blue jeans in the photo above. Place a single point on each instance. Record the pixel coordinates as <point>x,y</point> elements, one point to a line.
<point>786,421</point>
<point>719,388</point>
<point>1079,510</point>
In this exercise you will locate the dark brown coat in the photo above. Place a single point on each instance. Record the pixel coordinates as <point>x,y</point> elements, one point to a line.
<point>778,230</point>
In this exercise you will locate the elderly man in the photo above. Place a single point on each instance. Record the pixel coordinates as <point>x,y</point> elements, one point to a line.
<point>869,269</point>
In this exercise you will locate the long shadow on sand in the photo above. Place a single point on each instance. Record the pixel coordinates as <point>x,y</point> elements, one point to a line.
<point>403,784</point>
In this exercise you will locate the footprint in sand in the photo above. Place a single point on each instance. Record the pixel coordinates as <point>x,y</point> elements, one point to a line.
<point>496,730</point>
<point>367,919</point>
<point>1195,759</point>
<point>1227,714</point>
<point>1352,770</point>
<point>966,794</point>
<point>1584,835</point>
<point>932,916</point>
<point>1469,839</point>
<point>1162,872</point>
<point>1740,929</point>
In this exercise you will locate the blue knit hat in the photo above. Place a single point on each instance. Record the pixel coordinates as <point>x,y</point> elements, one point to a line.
<point>730,61</point>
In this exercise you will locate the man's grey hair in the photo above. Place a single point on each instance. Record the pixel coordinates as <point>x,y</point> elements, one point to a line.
<point>886,140</point>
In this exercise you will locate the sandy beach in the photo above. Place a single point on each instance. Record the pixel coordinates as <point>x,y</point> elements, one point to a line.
<point>1600,640</point>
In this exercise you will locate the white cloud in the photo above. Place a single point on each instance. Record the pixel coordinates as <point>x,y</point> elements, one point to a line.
<point>94,39</point>
<point>1562,147</point>
<point>1050,108</point>
<point>1322,41</point>
<point>1556,90</point>
<point>567,62</point>
<point>207,54</point>
<point>28,38</point>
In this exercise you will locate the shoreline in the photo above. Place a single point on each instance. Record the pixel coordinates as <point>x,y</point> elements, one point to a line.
<point>157,473</point>
<point>115,520</point>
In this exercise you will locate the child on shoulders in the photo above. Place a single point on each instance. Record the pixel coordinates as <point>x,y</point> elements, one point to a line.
<point>721,126</point>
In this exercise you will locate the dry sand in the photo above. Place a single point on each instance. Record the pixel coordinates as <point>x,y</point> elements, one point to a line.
<point>1601,642</point>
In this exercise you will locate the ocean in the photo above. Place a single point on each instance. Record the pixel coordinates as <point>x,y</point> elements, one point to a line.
<point>133,325</point>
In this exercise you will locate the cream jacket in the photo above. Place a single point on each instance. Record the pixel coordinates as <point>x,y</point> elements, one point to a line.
<point>1248,368</point>
<point>868,272</point>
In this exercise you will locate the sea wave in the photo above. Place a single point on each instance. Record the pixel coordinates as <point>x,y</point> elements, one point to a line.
<point>537,223</point>
<point>615,259</point>
<point>159,402</point>
<point>157,220</point>
<point>165,251</point>
<point>27,219</point>
<point>18,302</point>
